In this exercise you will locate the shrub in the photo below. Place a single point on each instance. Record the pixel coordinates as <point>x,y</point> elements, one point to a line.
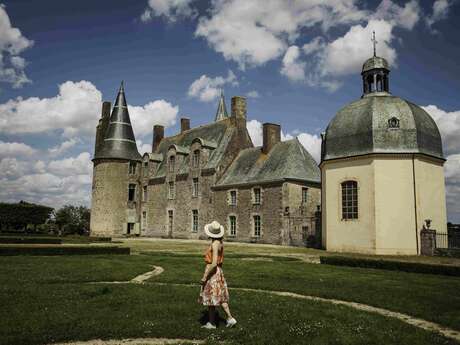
<point>405,266</point>
<point>62,250</point>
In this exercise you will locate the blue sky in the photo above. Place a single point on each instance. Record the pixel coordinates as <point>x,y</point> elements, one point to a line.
<point>297,62</point>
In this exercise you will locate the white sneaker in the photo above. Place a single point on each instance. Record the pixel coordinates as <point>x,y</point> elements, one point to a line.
<point>231,322</point>
<point>209,325</point>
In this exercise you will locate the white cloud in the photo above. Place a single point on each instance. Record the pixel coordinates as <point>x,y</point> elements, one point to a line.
<point>143,147</point>
<point>75,110</point>
<point>169,9</point>
<point>62,147</point>
<point>403,16</point>
<point>440,11</point>
<point>15,149</point>
<point>292,67</point>
<point>254,32</point>
<point>207,89</point>
<point>159,112</point>
<point>12,43</point>
<point>449,126</point>
<point>253,94</point>
<point>255,132</point>
<point>312,144</point>
<point>80,165</point>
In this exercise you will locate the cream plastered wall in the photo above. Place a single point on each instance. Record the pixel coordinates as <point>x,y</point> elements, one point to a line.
<point>386,203</point>
<point>109,198</point>
<point>356,235</point>
<point>431,194</point>
<point>394,206</point>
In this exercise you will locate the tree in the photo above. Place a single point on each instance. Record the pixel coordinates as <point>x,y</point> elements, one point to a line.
<point>73,219</point>
<point>21,214</point>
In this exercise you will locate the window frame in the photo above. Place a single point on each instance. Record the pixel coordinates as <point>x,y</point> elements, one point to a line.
<point>254,198</point>
<point>132,167</point>
<point>195,225</point>
<point>171,163</point>
<point>254,225</point>
<point>232,227</point>
<point>171,190</point>
<point>170,219</point>
<point>304,195</point>
<point>196,158</point>
<point>349,200</point>
<point>195,187</point>
<point>133,198</point>
<point>230,197</point>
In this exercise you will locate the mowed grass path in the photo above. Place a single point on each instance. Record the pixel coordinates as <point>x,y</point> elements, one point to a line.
<point>48,299</point>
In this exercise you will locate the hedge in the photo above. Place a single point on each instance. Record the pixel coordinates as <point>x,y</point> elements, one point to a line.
<point>404,266</point>
<point>30,240</point>
<point>62,250</point>
<point>451,252</point>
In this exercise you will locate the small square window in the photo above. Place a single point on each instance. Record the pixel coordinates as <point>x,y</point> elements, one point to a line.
<point>195,187</point>
<point>145,193</point>
<point>304,195</point>
<point>232,221</point>
<point>131,192</point>
<point>171,190</point>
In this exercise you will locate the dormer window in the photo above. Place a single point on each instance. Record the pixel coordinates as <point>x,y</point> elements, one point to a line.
<point>132,167</point>
<point>172,163</point>
<point>196,159</point>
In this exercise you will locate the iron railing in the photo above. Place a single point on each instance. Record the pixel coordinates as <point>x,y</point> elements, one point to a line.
<point>449,240</point>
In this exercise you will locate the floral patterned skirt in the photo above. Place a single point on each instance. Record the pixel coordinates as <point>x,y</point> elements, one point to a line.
<point>215,291</point>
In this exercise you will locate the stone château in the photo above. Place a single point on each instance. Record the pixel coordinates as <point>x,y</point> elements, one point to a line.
<point>267,194</point>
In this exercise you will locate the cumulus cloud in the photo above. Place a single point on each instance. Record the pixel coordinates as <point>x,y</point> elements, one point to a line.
<point>62,147</point>
<point>440,11</point>
<point>159,112</point>
<point>292,67</point>
<point>12,43</point>
<point>251,33</point>
<point>403,16</point>
<point>80,165</point>
<point>15,149</point>
<point>207,89</point>
<point>449,126</point>
<point>143,147</point>
<point>75,110</point>
<point>171,10</point>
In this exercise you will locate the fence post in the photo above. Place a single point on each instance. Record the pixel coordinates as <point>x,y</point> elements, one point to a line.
<point>427,241</point>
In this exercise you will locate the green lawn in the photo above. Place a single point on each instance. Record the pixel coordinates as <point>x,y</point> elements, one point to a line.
<point>48,299</point>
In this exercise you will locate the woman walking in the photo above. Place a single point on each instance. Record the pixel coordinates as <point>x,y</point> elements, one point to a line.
<point>214,290</point>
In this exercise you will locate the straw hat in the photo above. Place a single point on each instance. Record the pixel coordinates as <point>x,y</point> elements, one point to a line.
<point>214,230</point>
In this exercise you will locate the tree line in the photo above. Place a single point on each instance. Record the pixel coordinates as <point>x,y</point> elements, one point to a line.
<point>28,217</point>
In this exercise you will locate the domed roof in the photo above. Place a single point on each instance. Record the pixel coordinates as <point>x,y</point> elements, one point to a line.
<point>374,63</point>
<point>381,123</point>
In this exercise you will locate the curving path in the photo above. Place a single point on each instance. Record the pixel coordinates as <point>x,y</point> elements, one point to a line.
<point>420,323</point>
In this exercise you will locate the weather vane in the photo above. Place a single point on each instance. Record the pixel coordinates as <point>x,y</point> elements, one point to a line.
<point>374,41</point>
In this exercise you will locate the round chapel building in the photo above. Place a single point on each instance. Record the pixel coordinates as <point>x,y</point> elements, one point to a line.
<point>382,172</point>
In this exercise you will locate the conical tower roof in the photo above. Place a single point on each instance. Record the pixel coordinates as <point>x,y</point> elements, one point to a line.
<point>119,140</point>
<point>221,108</point>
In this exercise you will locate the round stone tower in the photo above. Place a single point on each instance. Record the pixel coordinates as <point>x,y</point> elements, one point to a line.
<point>116,169</point>
<point>382,171</point>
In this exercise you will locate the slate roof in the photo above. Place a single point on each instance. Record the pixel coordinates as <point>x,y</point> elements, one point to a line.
<point>374,63</point>
<point>119,141</point>
<point>287,160</point>
<point>362,127</point>
<point>215,135</point>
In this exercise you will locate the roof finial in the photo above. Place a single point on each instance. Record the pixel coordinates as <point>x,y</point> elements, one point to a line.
<point>374,41</point>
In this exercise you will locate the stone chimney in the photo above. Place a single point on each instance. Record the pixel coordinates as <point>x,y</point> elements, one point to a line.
<point>158,135</point>
<point>271,136</point>
<point>239,107</point>
<point>184,124</point>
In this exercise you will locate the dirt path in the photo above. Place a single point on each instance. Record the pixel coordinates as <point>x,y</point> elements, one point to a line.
<point>420,323</point>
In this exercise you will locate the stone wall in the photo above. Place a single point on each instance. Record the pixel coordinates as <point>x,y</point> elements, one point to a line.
<point>110,209</point>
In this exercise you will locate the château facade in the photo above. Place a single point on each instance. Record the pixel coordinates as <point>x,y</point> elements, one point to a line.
<point>267,194</point>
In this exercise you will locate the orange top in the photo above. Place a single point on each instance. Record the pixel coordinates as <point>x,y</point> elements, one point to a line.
<point>220,256</point>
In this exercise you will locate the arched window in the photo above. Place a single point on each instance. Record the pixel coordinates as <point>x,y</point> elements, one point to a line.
<point>172,162</point>
<point>349,200</point>
<point>370,83</point>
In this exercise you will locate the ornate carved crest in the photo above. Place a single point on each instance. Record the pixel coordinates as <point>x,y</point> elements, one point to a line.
<point>393,122</point>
